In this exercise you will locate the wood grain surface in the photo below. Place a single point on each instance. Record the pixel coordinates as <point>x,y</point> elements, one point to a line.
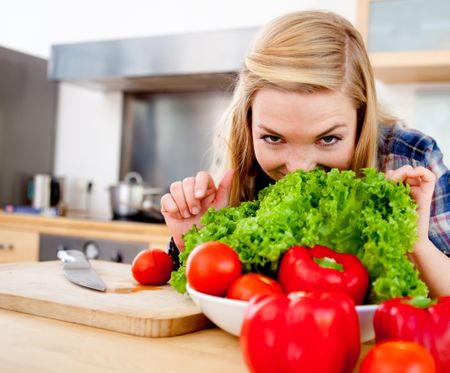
<point>40,288</point>
<point>36,344</point>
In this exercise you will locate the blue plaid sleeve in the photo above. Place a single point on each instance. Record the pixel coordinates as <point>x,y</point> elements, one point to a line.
<point>440,206</point>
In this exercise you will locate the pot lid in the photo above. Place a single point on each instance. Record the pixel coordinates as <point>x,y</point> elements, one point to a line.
<point>132,178</point>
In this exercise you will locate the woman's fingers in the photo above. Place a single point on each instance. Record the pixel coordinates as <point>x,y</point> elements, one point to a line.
<point>193,204</point>
<point>224,189</point>
<point>189,199</point>
<point>414,176</point>
<point>422,174</point>
<point>179,205</point>
<point>204,185</point>
<point>186,196</point>
<point>169,206</point>
<point>398,174</point>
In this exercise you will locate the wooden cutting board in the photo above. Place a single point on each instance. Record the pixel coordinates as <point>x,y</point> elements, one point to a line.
<point>40,288</point>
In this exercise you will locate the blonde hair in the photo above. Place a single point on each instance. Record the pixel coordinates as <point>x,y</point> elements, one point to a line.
<point>305,52</point>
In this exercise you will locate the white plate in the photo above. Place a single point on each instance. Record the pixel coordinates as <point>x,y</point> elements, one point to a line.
<point>228,314</point>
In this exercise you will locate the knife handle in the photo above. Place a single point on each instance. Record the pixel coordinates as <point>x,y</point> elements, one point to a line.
<point>73,259</point>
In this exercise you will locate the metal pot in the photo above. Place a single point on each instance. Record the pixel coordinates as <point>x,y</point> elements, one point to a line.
<point>131,197</point>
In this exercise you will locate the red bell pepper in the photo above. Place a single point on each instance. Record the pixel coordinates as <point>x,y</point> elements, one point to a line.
<point>313,332</point>
<point>419,320</point>
<point>322,269</point>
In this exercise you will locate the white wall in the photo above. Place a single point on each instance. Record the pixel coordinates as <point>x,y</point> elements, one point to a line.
<point>88,146</point>
<point>32,26</point>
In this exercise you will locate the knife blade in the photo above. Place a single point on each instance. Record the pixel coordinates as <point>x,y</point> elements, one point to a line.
<point>79,271</point>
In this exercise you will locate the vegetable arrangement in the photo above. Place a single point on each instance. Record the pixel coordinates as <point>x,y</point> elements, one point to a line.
<point>369,217</point>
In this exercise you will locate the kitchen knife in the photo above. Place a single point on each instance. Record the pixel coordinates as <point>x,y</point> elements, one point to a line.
<point>78,270</point>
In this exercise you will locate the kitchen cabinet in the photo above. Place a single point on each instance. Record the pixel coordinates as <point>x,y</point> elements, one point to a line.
<point>408,40</point>
<point>18,245</point>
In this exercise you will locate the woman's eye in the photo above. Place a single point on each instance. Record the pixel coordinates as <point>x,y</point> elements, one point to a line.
<point>271,139</point>
<point>328,140</point>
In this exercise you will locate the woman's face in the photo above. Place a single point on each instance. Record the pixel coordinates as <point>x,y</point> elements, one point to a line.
<point>294,131</point>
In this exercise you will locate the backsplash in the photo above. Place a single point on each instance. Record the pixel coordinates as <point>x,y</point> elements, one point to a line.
<point>88,146</point>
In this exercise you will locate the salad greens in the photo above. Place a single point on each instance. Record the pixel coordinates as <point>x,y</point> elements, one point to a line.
<point>369,217</point>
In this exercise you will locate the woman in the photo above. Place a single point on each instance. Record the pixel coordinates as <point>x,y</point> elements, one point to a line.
<point>306,98</point>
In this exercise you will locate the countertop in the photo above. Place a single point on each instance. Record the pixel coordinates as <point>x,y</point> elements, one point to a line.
<point>35,344</point>
<point>31,343</point>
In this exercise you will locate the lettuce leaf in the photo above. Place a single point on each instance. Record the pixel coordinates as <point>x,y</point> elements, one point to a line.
<point>369,217</point>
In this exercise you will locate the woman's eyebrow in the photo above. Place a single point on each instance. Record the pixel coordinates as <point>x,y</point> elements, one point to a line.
<point>331,129</point>
<point>324,133</point>
<point>267,129</point>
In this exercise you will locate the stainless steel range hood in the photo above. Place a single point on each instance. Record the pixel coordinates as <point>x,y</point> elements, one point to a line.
<point>184,62</point>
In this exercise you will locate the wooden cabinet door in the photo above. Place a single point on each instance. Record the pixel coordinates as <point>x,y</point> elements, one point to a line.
<point>17,246</point>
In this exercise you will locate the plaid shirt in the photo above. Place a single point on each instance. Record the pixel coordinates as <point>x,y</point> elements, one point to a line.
<point>399,146</point>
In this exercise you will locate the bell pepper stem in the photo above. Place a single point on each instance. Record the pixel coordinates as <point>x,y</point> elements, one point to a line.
<point>331,263</point>
<point>420,301</point>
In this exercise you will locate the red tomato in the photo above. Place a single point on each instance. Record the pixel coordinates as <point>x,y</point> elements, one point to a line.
<point>211,268</point>
<point>152,267</point>
<point>251,284</point>
<point>398,357</point>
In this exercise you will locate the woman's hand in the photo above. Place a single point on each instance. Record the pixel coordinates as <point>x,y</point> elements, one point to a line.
<point>189,199</point>
<point>422,182</point>
<point>433,264</point>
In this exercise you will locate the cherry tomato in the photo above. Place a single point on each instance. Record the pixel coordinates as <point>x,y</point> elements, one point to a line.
<point>211,268</point>
<point>152,267</point>
<point>251,284</point>
<point>398,357</point>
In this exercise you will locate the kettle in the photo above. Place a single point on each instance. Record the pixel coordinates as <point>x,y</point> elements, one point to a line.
<point>45,191</point>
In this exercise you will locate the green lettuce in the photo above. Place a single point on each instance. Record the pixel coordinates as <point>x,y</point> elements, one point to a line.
<point>370,217</point>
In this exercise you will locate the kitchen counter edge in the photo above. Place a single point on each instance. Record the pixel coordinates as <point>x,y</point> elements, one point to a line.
<point>121,230</point>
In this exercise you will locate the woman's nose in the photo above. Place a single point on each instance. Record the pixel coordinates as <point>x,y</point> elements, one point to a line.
<point>299,162</point>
